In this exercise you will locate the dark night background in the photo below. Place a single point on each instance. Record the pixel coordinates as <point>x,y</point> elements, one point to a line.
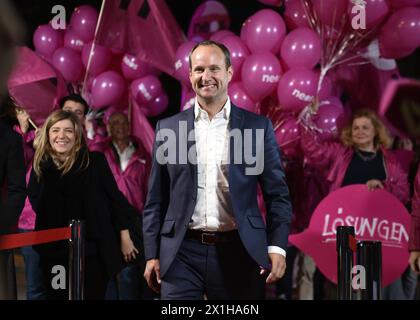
<point>38,12</point>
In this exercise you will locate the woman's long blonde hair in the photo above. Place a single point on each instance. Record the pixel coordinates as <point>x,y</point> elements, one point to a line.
<point>382,137</point>
<point>44,150</point>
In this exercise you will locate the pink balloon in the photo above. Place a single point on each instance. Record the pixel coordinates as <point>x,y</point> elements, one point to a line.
<point>182,67</point>
<point>401,33</point>
<point>146,89</point>
<point>107,89</point>
<point>83,21</point>
<point>47,40</point>
<point>219,35</point>
<point>297,88</point>
<point>210,17</point>
<point>133,68</point>
<point>301,47</point>
<point>294,15</point>
<point>69,63</point>
<point>238,53</point>
<point>288,137</point>
<point>244,29</point>
<point>330,12</point>
<point>265,31</point>
<point>157,106</point>
<point>276,3</point>
<point>187,98</point>
<point>100,58</point>
<point>404,3</point>
<point>72,40</point>
<point>329,118</point>
<point>239,97</point>
<point>260,74</point>
<point>376,12</point>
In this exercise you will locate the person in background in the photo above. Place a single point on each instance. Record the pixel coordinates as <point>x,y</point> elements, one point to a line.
<point>130,165</point>
<point>414,244</point>
<point>69,182</point>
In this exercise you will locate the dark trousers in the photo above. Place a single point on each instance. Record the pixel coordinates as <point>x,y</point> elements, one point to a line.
<point>8,289</point>
<point>223,271</point>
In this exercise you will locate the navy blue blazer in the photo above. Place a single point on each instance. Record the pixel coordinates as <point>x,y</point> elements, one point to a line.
<point>173,189</point>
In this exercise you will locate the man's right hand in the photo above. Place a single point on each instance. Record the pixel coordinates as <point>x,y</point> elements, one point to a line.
<point>152,274</point>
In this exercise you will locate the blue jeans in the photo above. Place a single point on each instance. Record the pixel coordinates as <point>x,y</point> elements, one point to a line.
<point>34,284</point>
<point>129,287</point>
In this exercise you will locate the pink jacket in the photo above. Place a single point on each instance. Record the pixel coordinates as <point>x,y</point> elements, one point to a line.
<point>27,217</point>
<point>335,158</point>
<point>133,181</point>
<point>415,216</point>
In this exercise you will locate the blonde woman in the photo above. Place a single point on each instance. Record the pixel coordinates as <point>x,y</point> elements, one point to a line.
<point>69,182</point>
<point>362,157</point>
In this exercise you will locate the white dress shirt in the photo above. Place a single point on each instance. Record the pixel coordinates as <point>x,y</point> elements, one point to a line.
<point>125,155</point>
<point>213,210</point>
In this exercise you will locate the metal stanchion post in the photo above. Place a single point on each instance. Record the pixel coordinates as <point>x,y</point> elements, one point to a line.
<point>369,255</point>
<point>345,235</point>
<point>77,260</point>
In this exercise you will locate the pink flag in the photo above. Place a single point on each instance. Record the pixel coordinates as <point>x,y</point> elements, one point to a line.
<point>35,85</point>
<point>140,127</point>
<point>145,28</point>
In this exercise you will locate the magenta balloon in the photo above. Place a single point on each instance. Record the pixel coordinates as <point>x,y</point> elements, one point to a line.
<point>83,22</point>
<point>329,118</point>
<point>265,32</point>
<point>404,3</point>
<point>181,62</point>
<point>244,29</point>
<point>330,12</point>
<point>238,53</point>
<point>294,15</point>
<point>72,40</point>
<point>301,47</point>
<point>146,89</point>
<point>101,57</point>
<point>157,106</point>
<point>133,68</point>
<point>376,12</point>
<point>401,33</point>
<point>239,97</point>
<point>107,89</point>
<point>47,40</point>
<point>187,98</point>
<point>297,88</point>
<point>69,63</point>
<point>288,137</point>
<point>260,74</point>
<point>219,35</point>
<point>276,3</point>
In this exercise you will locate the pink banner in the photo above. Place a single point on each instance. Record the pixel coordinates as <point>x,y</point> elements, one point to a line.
<point>376,215</point>
<point>35,85</point>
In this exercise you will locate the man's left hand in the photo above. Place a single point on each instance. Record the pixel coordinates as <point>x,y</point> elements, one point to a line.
<point>278,267</point>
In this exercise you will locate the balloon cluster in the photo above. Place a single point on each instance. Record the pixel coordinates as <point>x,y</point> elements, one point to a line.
<point>285,64</point>
<point>108,78</point>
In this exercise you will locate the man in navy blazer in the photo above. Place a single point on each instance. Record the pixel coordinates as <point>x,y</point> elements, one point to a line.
<point>204,234</point>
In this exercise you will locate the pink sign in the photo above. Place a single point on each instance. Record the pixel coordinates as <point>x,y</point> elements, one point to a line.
<point>376,216</point>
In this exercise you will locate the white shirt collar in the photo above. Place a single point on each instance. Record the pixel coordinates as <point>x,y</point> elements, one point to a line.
<point>225,111</point>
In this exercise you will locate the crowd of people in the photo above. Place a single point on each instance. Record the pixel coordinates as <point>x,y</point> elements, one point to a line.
<point>195,230</point>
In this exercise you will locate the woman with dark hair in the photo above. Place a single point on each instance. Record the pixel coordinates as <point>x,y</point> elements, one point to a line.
<point>69,182</point>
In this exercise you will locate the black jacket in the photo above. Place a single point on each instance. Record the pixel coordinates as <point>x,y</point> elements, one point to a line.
<point>89,194</point>
<point>12,178</point>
